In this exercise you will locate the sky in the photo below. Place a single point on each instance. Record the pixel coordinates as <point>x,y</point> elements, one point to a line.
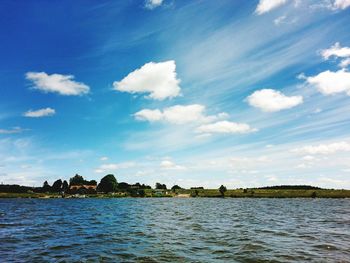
<point>194,93</point>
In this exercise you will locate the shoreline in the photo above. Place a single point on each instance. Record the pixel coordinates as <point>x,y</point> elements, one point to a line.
<point>203,193</point>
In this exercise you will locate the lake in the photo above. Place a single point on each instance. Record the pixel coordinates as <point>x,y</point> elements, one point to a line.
<point>174,230</point>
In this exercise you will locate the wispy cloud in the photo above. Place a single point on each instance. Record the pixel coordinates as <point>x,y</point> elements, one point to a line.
<point>40,113</point>
<point>14,130</point>
<point>324,148</point>
<point>179,114</point>
<point>225,127</point>
<point>112,167</point>
<point>170,165</point>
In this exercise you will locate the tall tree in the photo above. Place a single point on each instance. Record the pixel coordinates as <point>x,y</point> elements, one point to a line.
<point>175,187</point>
<point>160,186</point>
<point>77,180</point>
<point>65,186</point>
<point>222,190</point>
<point>108,184</point>
<point>46,187</point>
<point>57,186</point>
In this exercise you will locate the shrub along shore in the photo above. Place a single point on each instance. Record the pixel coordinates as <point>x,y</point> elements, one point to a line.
<point>209,193</point>
<point>108,187</point>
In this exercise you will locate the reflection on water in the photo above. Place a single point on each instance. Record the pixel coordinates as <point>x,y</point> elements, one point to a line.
<point>174,230</point>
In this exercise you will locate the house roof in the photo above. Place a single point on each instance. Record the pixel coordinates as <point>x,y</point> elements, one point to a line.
<point>79,186</point>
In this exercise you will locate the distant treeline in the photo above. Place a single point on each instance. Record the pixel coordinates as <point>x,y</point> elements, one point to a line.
<point>291,187</point>
<point>15,188</point>
<point>77,184</point>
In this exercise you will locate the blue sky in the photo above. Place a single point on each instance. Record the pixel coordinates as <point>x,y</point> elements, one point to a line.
<point>197,93</point>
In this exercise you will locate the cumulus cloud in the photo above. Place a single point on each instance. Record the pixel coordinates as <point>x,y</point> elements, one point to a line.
<point>330,148</point>
<point>179,114</point>
<point>225,127</point>
<point>265,6</point>
<point>329,82</point>
<point>151,4</point>
<point>341,4</point>
<point>57,83</point>
<point>11,131</point>
<point>149,115</point>
<point>111,167</point>
<point>339,52</point>
<point>270,100</point>
<point>169,165</point>
<point>157,79</point>
<point>39,113</point>
<point>336,50</point>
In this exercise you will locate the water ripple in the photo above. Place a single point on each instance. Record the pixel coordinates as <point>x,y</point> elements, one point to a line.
<point>175,230</point>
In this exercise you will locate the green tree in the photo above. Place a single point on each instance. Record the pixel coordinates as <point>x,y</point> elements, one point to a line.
<point>222,190</point>
<point>141,192</point>
<point>46,187</point>
<point>175,187</point>
<point>57,186</point>
<point>77,180</point>
<point>92,182</point>
<point>161,186</point>
<point>108,184</point>
<point>65,186</point>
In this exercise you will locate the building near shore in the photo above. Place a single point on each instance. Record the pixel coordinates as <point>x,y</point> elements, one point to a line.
<point>82,189</point>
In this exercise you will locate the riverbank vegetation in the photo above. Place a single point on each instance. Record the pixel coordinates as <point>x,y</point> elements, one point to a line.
<point>110,188</point>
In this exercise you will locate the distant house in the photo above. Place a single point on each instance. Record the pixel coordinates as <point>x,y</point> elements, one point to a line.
<point>82,189</point>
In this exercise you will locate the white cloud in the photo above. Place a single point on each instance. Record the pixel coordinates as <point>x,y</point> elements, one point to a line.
<point>151,4</point>
<point>337,51</point>
<point>179,114</point>
<point>344,63</point>
<point>329,82</point>
<point>341,4</point>
<point>279,20</point>
<point>225,127</point>
<point>111,167</point>
<point>104,158</point>
<point>57,83</point>
<point>157,79</point>
<point>330,148</point>
<point>11,131</point>
<point>309,158</point>
<point>39,113</point>
<point>169,165</point>
<point>265,6</point>
<point>149,115</point>
<point>270,100</point>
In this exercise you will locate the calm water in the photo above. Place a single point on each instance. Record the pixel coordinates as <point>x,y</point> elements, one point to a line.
<point>175,230</point>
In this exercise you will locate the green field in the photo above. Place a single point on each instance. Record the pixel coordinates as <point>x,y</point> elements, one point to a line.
<point>271,193</point>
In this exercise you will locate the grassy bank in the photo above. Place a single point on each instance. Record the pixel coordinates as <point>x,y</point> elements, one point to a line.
<point>233,193</point>
<point>271,193</point>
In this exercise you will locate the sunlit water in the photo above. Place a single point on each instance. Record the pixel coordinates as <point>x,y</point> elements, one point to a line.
<point>175,230</point>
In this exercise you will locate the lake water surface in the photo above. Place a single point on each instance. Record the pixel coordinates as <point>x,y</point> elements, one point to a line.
<point>175,230</point>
